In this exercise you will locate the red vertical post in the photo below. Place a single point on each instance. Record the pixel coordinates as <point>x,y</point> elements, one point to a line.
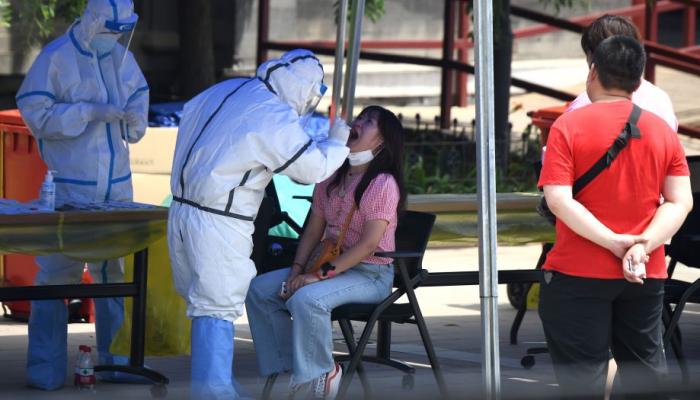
<point>448,45</point>
<point>651,25</point>
<point>639,19</point>
<point>263,30</point>
<point>689,25</point>
<point>463,53</point>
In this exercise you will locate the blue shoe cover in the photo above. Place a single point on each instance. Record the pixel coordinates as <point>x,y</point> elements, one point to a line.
<point>212,359</point>
<point>48,336</point>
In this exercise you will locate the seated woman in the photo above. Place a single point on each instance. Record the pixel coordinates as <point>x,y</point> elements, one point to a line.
<point>292,331</point>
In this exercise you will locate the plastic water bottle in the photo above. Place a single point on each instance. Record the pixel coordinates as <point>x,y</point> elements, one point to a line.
<point>84,369</point>
<point>47,196</point>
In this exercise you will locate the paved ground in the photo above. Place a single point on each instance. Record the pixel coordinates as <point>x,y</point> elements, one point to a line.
<point>453,319</point>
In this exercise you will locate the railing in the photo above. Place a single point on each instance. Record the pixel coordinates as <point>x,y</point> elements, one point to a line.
<point>657,53</point>
<point>683,59</point>
<point>444,160</point>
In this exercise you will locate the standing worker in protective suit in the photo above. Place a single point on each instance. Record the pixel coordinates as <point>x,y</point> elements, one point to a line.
<point>83,99</point>
<point>233,138</point>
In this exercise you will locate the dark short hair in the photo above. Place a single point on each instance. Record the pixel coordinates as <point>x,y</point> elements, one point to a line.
<point>604,27</point>
<point>619,61</point>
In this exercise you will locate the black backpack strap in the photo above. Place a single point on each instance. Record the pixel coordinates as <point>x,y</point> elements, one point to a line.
<point>631,130</point>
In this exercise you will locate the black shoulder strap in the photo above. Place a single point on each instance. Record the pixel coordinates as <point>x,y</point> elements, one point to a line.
<point>629,131</point>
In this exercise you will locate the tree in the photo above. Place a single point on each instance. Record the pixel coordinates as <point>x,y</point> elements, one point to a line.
<point>502,58</point>
<point>374,9</point>
<point>39,17</point>
<point>37,21</point>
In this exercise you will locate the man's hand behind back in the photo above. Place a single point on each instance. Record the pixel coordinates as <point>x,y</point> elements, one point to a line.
<point>620,244</point>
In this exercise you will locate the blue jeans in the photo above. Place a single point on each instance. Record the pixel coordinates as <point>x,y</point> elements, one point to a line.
<point>297,334</point>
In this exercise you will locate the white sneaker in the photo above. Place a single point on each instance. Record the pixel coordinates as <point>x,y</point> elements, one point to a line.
<point>326,386</point>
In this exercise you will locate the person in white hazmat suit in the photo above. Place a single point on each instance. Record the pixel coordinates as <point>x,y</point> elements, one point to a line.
<point>232,139</point>
<point>83,98</point>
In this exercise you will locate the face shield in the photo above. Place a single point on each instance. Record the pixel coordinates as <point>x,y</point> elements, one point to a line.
<point>125,36</point>
<point>115,32</point>
<point>313,101</point>
<point>125,30</point>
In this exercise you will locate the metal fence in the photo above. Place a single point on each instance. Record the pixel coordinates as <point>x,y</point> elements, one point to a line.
<point>444,160</point>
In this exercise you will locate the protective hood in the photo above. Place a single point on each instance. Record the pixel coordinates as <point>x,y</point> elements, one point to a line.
<point>99,16</point>
<point>296,77</point>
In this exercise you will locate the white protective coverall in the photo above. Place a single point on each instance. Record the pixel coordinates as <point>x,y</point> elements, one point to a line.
<point>83,107</point>
<point>232,139</point>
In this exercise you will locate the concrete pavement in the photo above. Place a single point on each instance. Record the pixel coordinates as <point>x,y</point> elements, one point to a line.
<point>453,318</point>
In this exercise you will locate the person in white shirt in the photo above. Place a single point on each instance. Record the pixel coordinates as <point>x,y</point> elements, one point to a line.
<point>648,96</point>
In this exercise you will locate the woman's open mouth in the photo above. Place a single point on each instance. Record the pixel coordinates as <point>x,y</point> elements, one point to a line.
<point>353,134</point>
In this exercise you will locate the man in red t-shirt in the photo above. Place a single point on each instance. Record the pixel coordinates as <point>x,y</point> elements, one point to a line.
<point>602,288</point>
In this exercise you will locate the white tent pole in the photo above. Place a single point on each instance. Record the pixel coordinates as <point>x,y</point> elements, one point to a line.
<point>358,11</point>
<point>339,57</point>
<point>486,189</point>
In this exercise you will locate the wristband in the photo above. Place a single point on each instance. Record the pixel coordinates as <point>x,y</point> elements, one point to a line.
<point>297,263</point>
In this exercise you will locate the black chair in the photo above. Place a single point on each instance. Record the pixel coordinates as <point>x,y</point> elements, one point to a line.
<point>517,295</point>
<point>528,360</point>
<point>684,249</point>
<point>412,235</point>
<point>272,252</point>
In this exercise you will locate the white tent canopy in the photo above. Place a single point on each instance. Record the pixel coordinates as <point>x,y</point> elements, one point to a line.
<point>486,181</point>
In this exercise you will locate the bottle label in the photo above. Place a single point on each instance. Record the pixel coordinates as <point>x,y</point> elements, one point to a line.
<point>85,376</point>
<point>85,371</point>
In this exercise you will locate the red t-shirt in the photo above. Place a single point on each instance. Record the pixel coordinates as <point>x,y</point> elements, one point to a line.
<point>624,197</point>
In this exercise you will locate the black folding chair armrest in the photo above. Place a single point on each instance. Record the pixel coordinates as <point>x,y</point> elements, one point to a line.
<point>411,282</point>
<point>678,310</point>
<point>399,254</point>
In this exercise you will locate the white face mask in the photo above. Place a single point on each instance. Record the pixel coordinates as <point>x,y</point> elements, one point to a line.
<point>361,157</point>
<point>103,43</point>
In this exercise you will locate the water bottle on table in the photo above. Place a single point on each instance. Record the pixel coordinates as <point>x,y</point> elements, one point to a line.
<point>47,195</point>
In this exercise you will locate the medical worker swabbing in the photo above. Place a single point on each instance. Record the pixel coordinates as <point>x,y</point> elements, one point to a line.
<point>233,138</point>
<point>83,99</point>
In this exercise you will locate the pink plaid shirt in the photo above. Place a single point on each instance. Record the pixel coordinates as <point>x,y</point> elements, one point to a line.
<point>380,201</point>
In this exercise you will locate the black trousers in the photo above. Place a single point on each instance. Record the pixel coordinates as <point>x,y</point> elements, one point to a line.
<point>585,319</point>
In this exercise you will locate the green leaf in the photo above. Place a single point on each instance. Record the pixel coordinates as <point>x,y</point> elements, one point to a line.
<point>560,4</point>
<point>39,16</point>
<point>374,9</point>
